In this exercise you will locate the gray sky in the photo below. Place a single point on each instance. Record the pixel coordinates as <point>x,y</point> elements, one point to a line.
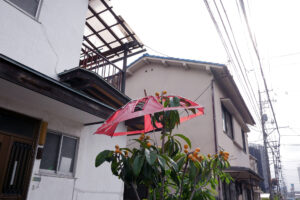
<point>184,29</point>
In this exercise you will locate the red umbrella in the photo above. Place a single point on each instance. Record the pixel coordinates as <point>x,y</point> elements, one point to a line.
<point>144,107</point>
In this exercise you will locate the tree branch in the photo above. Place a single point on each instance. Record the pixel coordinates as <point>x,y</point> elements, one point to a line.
<point>182,178</point>
<point>162,190</point>
<point>135,191</point>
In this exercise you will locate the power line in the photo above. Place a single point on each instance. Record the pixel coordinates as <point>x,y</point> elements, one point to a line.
<point>277,162</point>
<point>156,51</point>
<point>260,65</point>
<point>246,80</point>
<point>238,51</point>
<point>229,55</point>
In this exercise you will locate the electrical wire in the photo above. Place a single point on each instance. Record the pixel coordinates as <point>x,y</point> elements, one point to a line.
<point>229,54</point>
<point>243,72</point>
<point>254,44</point>
<point>156,51</point>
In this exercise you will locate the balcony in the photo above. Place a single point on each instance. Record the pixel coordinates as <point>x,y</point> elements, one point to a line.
<point>108,42</point>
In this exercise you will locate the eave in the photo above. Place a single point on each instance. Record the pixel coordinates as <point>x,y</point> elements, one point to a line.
<point>26,77</point>
<point>243,174</point>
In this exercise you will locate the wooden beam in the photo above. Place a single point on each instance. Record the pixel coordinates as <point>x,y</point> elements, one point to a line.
<point>105,25</point>
<point>97,34</point>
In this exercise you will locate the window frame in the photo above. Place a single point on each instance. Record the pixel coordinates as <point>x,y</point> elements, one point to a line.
<point>56,172</point>
<point>226,115</point>
<point>37,14</point>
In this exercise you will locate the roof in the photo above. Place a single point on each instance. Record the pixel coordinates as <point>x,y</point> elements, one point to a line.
<point>107,37</point>
<point>29,78</point>
<point>146,55</point>
<point>220,72</point>
<point>243,173</point>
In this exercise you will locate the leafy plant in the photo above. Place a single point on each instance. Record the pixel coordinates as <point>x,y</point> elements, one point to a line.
<point>170,172</point>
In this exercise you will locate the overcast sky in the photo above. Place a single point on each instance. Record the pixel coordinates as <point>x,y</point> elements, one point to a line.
<point>184,29</point>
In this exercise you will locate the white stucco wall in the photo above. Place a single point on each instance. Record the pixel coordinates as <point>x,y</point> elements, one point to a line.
<point>190,83</point>
<point>234,146</point>
<point>49,44</point>
<point>88,183</point>
<point>157,77</point>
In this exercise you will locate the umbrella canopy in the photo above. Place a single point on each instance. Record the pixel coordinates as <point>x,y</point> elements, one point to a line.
<point>145,107</point>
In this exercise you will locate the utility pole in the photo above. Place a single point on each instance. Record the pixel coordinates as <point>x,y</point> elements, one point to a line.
<point>263,120</point>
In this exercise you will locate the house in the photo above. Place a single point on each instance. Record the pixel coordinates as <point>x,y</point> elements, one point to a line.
<point>224,125</point>
<point>258,151</point>
<point>59,80</point>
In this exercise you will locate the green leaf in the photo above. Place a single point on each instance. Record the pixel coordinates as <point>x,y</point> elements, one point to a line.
<point>101,157</point>
<point>180,162</point>
<point>166,103</point>
<point>176,101</point>
<point>193,171</point>
<point>153,121</point>
<point>193,110</point>
<point>150,156</point>
<point>129,150</point>
<point>173,164</point>
<point>114,167</point>
<point>147,173</point>
<point>175,178</point>
<point>162,162</point>
<point>186,139</point>
<point>186,103</point>
<point>137,164</point>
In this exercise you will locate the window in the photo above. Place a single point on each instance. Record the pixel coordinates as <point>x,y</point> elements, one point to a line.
<point>227,122</point>
<point>59,154</point>
<point>29,6</point>
<point>244,141</point>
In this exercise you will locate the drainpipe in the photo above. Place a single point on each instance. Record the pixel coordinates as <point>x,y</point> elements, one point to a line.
<point>214,115</point>
<point>215,130</point>
<point>124,69</point>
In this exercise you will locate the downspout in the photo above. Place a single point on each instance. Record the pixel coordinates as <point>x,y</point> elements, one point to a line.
<point>214,115</point>
<point>215,129</point>
<point>124,69</point>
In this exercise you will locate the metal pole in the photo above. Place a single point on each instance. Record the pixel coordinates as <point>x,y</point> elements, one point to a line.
<point>124,70</point>
<point>265,147</point>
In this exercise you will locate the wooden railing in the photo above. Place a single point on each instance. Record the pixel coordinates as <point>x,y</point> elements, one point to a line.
<point>103,67</point>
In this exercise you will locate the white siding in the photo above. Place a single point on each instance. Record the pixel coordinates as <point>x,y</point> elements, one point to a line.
<point>234,146</point>
<point>49,44</point>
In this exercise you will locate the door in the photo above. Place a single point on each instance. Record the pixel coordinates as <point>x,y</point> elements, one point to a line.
<point>18,135</point>
<point>15,156</point>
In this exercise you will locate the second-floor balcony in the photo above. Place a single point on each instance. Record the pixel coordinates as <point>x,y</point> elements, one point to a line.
<point>107,43</point>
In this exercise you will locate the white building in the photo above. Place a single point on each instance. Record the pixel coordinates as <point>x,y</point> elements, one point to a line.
<point>48,115</point>
<point>298,168</point>
<point>224,124</point>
